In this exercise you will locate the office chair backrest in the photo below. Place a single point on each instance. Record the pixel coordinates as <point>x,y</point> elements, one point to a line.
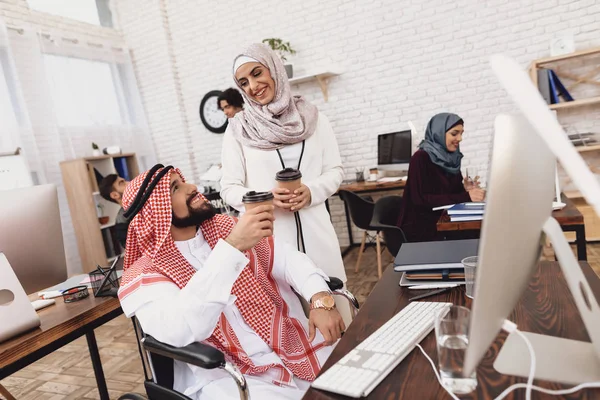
<point>387,210</point>
<point>385,218</point>
<point>361,210</point>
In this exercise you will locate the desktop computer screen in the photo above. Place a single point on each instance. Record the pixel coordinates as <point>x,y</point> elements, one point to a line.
<point>394,150</point>
<point>513,232</point>
<point>31,236</point>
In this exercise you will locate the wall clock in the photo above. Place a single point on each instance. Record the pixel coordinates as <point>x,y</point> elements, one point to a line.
<point>213,119</point>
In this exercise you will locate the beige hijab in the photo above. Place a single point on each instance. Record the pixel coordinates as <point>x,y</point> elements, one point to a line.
<point>285,120</point>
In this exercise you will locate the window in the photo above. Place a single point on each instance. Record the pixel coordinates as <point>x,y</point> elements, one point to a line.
<point>83,91</point>
<point>96,12</point>
<point>9,100</point>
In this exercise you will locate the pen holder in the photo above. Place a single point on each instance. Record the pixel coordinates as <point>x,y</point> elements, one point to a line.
<point>360,176</point>
<point>105,282</point>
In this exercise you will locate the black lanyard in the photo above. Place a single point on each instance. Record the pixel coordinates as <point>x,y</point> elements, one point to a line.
<point>299,234</point>
<point>299,161</point>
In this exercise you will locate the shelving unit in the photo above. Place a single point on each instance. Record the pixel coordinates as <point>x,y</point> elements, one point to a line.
<point>592,221</point>
<point>543,62</point>
<point>321,77</point>
<point>96,242</point>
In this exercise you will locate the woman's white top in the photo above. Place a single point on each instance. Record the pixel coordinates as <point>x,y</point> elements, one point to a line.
<point>246,168</point>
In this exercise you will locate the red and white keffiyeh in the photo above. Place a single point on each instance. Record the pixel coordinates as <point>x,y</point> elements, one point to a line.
<point>152,257</point>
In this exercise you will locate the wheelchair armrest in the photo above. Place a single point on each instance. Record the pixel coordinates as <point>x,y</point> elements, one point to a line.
<point>199,354</point>
<point>335,283</point>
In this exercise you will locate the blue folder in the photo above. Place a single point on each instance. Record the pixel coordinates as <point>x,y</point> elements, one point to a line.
<point>121,167</point>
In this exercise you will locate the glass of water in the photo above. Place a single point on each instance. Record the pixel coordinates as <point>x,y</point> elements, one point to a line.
<point>470,265</point>
<point>451,333</point>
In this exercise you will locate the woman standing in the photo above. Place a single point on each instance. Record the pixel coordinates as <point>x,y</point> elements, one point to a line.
<point>275,131</point>
<point>434,179</point>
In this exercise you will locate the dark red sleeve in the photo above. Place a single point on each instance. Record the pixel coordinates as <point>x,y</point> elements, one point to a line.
<point>423,178</point>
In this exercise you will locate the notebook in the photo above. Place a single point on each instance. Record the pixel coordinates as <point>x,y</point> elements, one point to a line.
<point>466,217</point>
<point>413,282</point>
<point>420,256</point>
<point>467,208</point>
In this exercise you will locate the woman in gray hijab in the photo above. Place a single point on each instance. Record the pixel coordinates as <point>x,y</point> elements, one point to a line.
<point>434,179</point>
<point>279,130</point>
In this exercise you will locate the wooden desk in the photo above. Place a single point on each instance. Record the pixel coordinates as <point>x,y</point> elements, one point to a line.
<point>547,307</point>
<point>61,324</point>
<point>364,188</point>
<point>569,218</point>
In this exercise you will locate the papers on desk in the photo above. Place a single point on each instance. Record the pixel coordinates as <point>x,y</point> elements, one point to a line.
<point>392,179</point>
<point>77,280</point>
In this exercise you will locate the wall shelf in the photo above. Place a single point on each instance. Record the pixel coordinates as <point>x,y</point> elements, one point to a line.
<point>543,63</point>
<point>321,77</point>
<point>583,149</point>
<point>575,103</point>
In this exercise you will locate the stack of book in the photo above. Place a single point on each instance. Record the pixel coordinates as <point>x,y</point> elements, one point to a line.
<point>427,262</point>
<point>466,212</point>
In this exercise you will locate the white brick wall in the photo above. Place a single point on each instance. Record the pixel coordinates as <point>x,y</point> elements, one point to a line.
<point>402,60</point>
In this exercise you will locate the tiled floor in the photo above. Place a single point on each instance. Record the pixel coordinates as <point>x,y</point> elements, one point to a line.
<point>67,373</point>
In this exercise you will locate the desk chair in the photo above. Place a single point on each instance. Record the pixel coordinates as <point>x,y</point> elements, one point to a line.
<point>157,359</point>
<point>385,217</point>
<point>361,213</point>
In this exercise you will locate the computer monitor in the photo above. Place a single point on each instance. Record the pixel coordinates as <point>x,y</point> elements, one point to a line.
<point>518,214</point>
<point>31,236</point>
<point>394,150</point>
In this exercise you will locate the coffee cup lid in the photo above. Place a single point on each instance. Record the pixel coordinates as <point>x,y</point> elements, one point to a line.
<point>257,197</point>
<point>288,174</point>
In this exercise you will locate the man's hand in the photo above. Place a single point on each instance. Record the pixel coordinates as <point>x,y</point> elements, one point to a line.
<point>301,199</point>
<point>254,225</point>
<point>329,323</point>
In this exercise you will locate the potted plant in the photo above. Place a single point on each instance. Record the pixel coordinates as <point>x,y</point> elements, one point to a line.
<point>282,49</point>
<point>96,150</point>
<point>103,219</point>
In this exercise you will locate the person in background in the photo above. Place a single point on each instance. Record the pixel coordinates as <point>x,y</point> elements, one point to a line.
<point>230,102</point>
<point>277,130</point>
<point>112,188</point>
<point>434,179</point>
<point>191,275</point>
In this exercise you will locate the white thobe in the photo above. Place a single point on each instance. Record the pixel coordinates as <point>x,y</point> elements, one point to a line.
<point>181,316</point>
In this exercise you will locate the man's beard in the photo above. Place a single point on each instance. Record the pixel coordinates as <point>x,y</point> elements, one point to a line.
<point>196,216</point>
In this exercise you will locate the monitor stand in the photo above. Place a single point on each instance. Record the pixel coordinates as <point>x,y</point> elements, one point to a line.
<point>557,359</point>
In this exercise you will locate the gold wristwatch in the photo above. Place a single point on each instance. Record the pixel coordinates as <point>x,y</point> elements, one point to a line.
<point>325,302</point>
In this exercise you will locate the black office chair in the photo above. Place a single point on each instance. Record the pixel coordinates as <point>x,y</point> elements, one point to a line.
<point>385,218</point>
<point>157,359</point>
<point>361,213</point>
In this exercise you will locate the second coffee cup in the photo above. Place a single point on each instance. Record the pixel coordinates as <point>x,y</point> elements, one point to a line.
<point>289,178</point>
<point>254,199</point>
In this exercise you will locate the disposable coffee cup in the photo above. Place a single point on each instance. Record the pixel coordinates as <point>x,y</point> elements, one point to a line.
<point>289,178</point>
<point>254,199</point>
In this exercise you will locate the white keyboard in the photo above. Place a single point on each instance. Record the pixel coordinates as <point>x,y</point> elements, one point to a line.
<point>361,370</point>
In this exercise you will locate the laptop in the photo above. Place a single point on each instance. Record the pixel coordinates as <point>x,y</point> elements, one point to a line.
<point>16,312</point>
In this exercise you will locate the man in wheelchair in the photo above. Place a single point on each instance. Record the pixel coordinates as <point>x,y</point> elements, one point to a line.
<point>191,275</point>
